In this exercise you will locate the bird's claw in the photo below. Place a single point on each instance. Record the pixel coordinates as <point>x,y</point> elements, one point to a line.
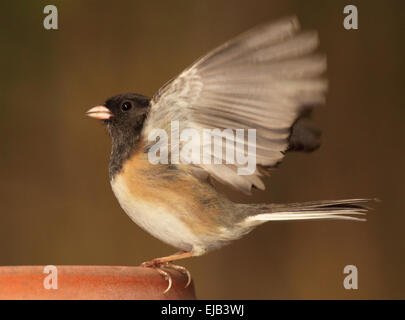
<point>181,269</point>
<point>158,266</point>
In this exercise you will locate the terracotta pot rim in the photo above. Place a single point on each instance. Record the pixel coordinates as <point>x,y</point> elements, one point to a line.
<point>92,282</point>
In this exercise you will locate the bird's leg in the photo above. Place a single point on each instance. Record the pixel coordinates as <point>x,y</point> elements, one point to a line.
<point>159,263</point>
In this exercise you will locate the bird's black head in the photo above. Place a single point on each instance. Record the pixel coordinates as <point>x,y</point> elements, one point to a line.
<point>123,115</point>
<point>127,111</point>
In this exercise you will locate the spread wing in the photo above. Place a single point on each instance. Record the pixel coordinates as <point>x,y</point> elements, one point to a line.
<point>261,80</point>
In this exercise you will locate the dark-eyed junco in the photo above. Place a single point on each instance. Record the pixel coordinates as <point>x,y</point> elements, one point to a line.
<point>266,79</point>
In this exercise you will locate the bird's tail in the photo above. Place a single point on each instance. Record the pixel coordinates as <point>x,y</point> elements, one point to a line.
<point>349,209</point>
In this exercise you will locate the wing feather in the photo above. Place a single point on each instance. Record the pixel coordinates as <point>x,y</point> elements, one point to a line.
<point>261,80</point>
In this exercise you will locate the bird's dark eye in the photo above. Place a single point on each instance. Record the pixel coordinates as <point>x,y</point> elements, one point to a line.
<point>126,106</point>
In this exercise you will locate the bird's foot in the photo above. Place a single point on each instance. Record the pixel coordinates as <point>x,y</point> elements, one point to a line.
<point>159,265</point>
<point>181,269</point>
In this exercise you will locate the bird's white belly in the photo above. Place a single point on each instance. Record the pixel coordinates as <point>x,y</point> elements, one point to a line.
<point>154,219</point>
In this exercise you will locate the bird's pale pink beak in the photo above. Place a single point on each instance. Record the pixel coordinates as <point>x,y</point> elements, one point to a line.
<point>100,113</point>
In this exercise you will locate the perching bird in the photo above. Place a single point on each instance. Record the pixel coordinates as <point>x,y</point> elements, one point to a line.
<point>267,79</point>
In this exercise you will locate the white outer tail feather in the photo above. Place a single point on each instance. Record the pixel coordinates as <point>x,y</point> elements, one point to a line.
<point>300,215</point>
<point>347,209</point>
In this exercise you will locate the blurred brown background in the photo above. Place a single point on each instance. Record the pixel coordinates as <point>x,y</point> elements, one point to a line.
<point>55,199</point>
